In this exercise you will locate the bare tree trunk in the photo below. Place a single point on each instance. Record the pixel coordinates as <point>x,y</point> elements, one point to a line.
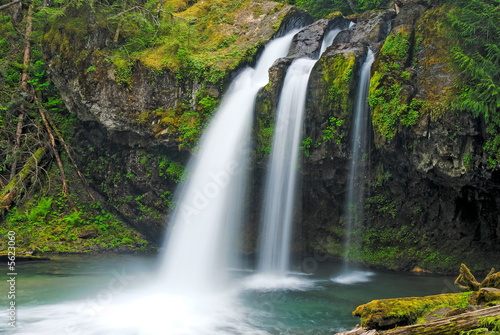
<point>65,188</point>
<point>12,189</point>
<point>17,145</point>
<point>27,49</point>
<point>352,6</point>
<point>70,156</point>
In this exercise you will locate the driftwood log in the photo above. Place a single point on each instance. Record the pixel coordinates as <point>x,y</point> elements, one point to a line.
<point>449,325</point>
<point>467,282</point>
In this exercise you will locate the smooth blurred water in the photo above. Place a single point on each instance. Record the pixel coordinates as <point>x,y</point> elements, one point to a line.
<point>109,295</point>
<point>281,176</point>
<point>200,242</point>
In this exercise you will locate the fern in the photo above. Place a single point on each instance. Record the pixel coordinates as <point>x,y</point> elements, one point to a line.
<point>476,25</point>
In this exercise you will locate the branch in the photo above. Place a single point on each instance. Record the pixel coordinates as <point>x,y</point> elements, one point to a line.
<point>65,189</point>
<point>70,156</point>
<point>27,50</point>
<point>10,4</point>
<point>10,191</point>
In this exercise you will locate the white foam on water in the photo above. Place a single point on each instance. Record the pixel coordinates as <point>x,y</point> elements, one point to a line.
<point>353,277</point>
<point>275,282</point>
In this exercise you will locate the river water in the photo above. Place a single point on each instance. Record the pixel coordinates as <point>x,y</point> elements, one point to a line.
<point>121,294</point>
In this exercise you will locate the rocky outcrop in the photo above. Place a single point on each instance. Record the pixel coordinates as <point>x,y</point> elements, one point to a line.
<point>139,117</point>
<point>432,200</point>
<point>307,42</point>
<point>430,190</point>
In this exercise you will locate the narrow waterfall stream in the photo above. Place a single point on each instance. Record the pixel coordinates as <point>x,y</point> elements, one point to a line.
<point>355,185</point>
<point>281,179</point>
<point>280,189</point>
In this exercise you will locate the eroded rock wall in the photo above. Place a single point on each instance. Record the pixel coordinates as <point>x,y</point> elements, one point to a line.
<point>432,199</point>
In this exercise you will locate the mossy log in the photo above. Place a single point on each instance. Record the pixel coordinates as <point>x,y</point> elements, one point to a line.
<point>10,191</point>
<point>390,313</point>
<point>449,325</point>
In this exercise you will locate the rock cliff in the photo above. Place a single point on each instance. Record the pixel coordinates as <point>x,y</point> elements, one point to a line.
<point>431,198</point>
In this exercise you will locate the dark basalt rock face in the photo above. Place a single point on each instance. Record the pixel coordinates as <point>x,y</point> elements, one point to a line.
<point>307,42</point>
<point>131,161</point>
<point>431,199</point>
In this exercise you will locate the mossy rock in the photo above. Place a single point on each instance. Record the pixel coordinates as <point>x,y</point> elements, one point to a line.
<point>389,313</point>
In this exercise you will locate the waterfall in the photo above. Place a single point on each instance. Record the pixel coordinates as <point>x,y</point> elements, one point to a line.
<point>359,149</point>
<point>281,178</point>
<point>199,243</point>
<point>282,174</point>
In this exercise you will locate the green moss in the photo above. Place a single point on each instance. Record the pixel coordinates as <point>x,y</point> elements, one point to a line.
<point>390,103</point>
<point>265,127</point>
<point>405,311</point>
<point>123,71</point>
<point>337,74</point>
<point>381,204</point>
<point>47,225</point>
<point>433,42</point>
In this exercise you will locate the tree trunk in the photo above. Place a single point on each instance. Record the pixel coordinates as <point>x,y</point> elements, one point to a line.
<point>14,186</point>
<point>448,326</point>
<point>17,145</point>
<point>27,49</point>
<point>65,189</point>
<point>352,6</point>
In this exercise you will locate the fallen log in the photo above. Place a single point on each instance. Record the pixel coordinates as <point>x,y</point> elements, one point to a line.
<point>8,194</point>
<point>449,325</point>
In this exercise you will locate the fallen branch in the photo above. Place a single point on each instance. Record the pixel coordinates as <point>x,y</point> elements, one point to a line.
<point>448,325</point>
<point>467,282</point>
<point>73,162</point>
<point>10,191</point>
<point>65,189</point>
<point>10,4</point>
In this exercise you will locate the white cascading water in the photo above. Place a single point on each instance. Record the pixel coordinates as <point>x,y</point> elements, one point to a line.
<point>281,179</point>
<point>198,247</point>
<point>355,185</point>
<point>191,296</point>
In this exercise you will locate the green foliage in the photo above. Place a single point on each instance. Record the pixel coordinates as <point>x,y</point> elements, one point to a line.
<point>306,146</point>
<point>321,8</point>
<point>330,133</point>
<point>381,204</point>
<point>476,25</point>
<point>388,100</point>
<point>174,170</point>
<point>47,225</point>
<point>489,326</point>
